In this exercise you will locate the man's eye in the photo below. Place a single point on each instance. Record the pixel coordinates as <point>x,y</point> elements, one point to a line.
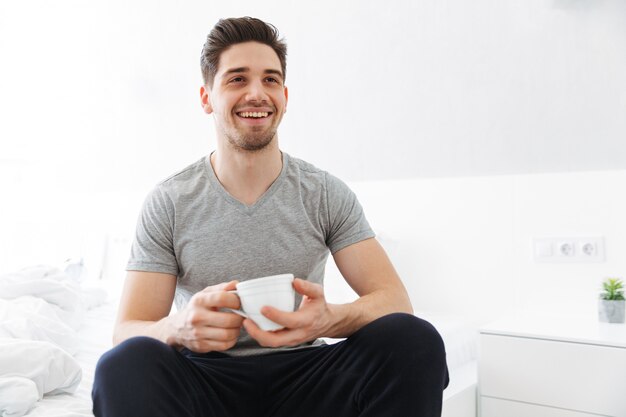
<point>272,80</point>
<point>237,79</point>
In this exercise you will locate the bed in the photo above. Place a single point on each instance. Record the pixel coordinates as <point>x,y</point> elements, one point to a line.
<point>53,329</point>
<point>93,337</point>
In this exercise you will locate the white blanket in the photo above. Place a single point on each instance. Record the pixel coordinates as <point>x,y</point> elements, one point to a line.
<point>32,318</point>
<point>31,369</point>
<point>40,310</point>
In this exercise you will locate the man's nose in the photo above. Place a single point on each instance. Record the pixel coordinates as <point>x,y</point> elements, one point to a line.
<point>256,92</point>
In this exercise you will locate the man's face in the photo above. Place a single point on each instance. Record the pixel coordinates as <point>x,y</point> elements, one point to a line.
<point>248,97</point>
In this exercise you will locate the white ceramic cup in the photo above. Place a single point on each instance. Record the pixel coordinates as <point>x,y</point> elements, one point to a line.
<point>276,291</point>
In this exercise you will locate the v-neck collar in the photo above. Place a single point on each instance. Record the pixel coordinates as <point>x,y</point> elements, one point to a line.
<point>248,209</point>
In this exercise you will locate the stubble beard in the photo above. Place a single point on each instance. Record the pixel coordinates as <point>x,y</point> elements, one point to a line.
<point>251,143</point>
<point>253,140</point>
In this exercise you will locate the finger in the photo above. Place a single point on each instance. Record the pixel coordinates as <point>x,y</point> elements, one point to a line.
<point>307,288</point>
<point>251,327</point>
<point>207,333</point>
<point>217,299</point>
<point>209,318</point>
<point>291,320</point>
<point>285,337</point>
<point>226,320</point>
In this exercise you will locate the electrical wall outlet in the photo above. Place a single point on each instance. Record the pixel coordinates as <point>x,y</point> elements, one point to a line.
<point>568,250</point>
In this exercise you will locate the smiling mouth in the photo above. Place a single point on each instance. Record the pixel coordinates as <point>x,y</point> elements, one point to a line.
<point>254,115</point>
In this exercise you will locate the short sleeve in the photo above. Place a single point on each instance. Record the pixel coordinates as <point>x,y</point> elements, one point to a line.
<point>153,246</point>
<point>346,221</point>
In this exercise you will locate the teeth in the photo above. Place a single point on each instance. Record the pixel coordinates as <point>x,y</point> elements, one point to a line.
<point>254,114</point>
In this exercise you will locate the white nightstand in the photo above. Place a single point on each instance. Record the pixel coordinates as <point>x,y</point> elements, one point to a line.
<point>552,367</point>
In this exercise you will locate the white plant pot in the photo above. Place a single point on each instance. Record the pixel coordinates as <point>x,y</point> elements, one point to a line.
<point>611,311</point>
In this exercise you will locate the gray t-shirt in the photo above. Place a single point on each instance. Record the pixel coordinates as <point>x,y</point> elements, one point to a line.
<point>192,228</point>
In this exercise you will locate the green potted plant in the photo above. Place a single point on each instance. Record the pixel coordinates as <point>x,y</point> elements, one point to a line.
<point>611,304</point>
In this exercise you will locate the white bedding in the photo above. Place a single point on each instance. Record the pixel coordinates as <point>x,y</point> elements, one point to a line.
<point>31,369</point>
<point>41,310</point>
<point>94,337</point>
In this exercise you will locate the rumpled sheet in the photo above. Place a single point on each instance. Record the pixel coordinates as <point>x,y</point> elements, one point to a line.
<point>40,310</point>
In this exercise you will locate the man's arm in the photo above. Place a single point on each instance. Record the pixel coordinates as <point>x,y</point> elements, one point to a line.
<point>368,270</point>
<point>146,302</point>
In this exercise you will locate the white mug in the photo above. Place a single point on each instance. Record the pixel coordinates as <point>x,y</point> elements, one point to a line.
<point>276,291</point>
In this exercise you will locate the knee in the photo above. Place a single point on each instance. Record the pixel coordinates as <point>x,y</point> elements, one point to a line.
<point>409,335</point>
<point>405,346</point>
<point>130,357</point>
<point>119,386</point>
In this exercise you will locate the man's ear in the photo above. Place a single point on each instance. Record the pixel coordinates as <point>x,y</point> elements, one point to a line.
<point>286,98</point>
<point>205,99</point>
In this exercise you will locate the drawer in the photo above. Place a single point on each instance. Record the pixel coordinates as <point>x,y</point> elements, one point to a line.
<point>493,407</point>
<point>573,376</point>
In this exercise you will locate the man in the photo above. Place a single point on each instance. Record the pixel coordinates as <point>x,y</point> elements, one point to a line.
<point>249,210</point>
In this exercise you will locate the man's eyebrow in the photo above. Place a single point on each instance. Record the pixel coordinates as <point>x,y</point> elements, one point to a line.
<point>239,70</point>
<point>236,70</point>
<point>273,71</point>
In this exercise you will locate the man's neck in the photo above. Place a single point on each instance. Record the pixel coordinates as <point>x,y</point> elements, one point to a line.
<point>247,175</point>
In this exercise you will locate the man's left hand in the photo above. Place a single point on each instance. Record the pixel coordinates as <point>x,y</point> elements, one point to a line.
<point>312,320</point>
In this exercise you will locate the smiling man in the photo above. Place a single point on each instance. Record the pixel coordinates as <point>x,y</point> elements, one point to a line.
<point>248,123</point>
<point>249,210</point>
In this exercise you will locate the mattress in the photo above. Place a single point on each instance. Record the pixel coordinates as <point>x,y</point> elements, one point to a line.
<point>460,338</point>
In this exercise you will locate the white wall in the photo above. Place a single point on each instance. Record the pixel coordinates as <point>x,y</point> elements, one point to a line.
<point>463,245</point>
<point>99,101</point>
<point>398,89</point>
<point>47,226</point>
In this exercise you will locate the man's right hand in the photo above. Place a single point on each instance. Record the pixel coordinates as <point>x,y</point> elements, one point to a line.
<point>201,327</point>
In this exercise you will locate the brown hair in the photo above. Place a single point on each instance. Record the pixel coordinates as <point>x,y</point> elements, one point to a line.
<point>232,31</point>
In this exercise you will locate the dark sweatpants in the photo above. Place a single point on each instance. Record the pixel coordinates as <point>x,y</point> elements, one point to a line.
<point>394,366</point>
